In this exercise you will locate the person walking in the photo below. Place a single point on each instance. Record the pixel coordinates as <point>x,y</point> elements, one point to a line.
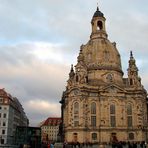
<point>51,145</point>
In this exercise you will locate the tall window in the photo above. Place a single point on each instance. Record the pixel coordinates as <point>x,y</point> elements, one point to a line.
<point>112,115</point>
<point>129,115</point>
<point>1,100</point>
<point>4,123</point>
<point>4,115</point>
<point>76,114</point>
<point>77,78</point>
<point>3,132</point>
<point>93,114</point>
<point>93,108</point>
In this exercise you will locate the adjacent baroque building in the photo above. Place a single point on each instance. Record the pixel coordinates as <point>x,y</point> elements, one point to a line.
<point>99,104</point>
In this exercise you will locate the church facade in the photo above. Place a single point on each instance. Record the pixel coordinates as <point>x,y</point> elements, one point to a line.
<point>99,104</point>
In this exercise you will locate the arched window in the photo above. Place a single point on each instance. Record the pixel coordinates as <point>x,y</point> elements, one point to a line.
<point>112,115</point>
<point>76,107</point>
<point>112,109</point>
<point>93,114</point>
<point>93,108</point>
<point>77,78</point>
<point>129,115</point>
<point>76,114</point>
<point>94,136</point>
<point>99,25</point>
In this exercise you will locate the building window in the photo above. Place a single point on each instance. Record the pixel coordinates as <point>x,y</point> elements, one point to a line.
<point>93,108</point>
<point>4,123</point>
<point>93,121</point>
<point>3,132</point>
<point>94,136</point>
<point>1,100</point>
<point>76,114</point>
<point>93,114</point>
<point>131,136</point>
<point>129,115</point>
<point>112,115</point>
<point>2,141</point>
<point>4,115</point>
<point>129,121</point>
<point>113,121</point>
<point>129,109</point>
<point>112,109</point>
<point>76,108</point>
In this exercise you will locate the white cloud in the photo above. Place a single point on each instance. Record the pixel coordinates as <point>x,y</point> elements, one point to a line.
<point>48,52</point>
<point>43,106</point>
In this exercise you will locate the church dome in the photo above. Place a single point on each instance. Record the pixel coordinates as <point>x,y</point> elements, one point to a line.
<point>99,55</point>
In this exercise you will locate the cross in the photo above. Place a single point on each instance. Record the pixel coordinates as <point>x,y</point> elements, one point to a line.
<point>97,4</point>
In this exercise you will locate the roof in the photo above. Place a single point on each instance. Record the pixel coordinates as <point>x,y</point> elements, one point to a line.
<point>52,121</point>
<point>98,13</point>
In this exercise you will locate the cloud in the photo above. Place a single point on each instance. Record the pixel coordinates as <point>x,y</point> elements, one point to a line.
<point>28,73</point>
<point>34,72</point>
<point>43,108</point>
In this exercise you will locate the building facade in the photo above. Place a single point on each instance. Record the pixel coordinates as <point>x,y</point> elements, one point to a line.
<point>50,129</point>
<point>99,104</point>
<point>11,115</point>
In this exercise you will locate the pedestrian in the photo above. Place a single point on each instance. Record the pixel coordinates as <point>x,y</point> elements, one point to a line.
<point>51,145</point>
<point>48,145</point>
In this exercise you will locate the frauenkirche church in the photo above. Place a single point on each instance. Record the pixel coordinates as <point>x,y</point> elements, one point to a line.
<point>99,104</point>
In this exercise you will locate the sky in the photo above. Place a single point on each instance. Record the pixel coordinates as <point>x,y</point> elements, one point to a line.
<point>40,39</point>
